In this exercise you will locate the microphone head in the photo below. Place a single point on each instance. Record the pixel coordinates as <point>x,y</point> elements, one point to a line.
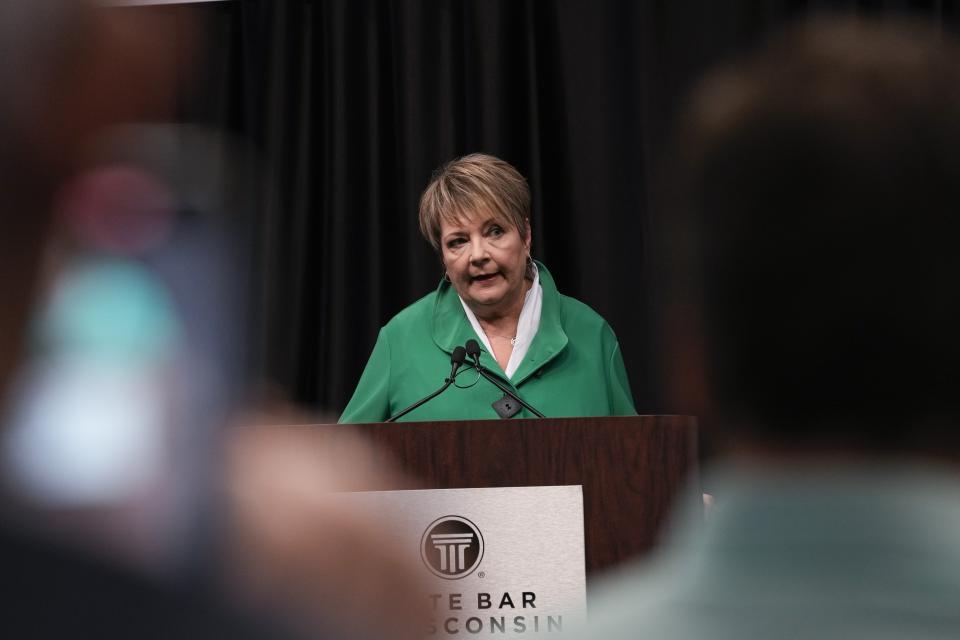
<point>473,348</point>
<point>458,356</point>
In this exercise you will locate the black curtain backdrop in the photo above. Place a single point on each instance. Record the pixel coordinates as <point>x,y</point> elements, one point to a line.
<point>350,104</point>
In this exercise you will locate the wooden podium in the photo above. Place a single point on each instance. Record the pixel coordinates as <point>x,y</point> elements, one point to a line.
<point>631,468</point>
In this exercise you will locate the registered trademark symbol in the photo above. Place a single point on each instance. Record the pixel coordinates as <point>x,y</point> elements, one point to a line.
<point>482,574</point>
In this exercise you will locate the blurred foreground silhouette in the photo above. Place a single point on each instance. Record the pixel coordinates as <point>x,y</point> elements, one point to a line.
<point>135,504</point>
<point>812,321</point>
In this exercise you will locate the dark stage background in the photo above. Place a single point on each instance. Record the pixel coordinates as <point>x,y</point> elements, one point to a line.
<point>350,104</point>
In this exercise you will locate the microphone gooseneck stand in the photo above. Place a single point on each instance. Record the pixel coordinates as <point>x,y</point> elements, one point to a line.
<point>456,359</point>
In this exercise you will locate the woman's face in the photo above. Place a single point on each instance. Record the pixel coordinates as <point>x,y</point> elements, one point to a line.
<point>486,261</point>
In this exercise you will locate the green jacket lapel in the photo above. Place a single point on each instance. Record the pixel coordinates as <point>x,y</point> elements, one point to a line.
<point>551,339</point>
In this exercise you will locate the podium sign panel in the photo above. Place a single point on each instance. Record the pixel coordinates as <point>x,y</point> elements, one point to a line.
<point>507,561</point>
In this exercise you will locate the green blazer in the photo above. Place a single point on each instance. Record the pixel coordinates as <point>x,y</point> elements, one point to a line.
<point>573,367</point>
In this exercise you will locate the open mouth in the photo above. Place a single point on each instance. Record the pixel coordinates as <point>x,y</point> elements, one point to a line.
<point>486,277</point>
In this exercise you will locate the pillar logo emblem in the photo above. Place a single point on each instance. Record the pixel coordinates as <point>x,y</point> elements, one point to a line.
<point>451,547</point>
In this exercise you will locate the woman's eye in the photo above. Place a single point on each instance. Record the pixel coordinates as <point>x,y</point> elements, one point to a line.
<point>456,242</point>
<point>496,231</point>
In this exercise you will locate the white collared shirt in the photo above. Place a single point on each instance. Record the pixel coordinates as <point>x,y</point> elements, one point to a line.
<point>527,325</point>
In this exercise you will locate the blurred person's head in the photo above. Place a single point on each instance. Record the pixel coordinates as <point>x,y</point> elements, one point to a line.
<point>67,69</point>
<point>823,178</point>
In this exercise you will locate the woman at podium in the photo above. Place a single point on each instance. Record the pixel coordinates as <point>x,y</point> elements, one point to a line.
<point>550,350</point>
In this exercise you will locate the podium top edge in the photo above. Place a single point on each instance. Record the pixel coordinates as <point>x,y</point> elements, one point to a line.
<point>677,418</point>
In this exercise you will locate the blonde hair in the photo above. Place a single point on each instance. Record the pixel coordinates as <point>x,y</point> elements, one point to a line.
<point>465,185</point>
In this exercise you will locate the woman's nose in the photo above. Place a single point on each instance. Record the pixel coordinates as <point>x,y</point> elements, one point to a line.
<point>478,252</point>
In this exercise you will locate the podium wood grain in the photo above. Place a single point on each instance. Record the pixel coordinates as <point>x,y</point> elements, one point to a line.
<point>632,468</point>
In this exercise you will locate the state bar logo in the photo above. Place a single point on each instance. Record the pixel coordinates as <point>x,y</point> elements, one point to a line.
<point>451,547</point>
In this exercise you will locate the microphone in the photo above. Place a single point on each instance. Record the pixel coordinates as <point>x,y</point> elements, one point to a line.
<point>456,360</point>
<point>473,350</point>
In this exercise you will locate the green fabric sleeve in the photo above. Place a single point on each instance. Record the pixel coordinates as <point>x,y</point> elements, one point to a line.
<point>371,400</point>
<point>618,385</point>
